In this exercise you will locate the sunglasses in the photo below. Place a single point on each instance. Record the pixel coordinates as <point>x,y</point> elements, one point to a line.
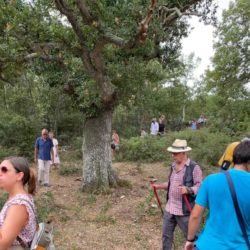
<point>4,170</point>
<point>44,134</point>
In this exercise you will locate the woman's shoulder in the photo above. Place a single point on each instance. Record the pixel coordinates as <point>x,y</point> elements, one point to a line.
<point>22,199</point>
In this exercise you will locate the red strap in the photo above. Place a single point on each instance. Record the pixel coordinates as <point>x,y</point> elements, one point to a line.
<point>187,203</point>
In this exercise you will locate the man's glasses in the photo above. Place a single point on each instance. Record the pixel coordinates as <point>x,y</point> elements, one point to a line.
<point>44,134</point>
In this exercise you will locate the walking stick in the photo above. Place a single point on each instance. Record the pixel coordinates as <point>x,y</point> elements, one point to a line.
<point>152,181</point>
<point>187,203</point>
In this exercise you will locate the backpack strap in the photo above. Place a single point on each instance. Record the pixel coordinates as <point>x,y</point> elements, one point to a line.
<point>169,176</point>
<point>237,208</point>
<point>22,243</point>
<point>189,173</point>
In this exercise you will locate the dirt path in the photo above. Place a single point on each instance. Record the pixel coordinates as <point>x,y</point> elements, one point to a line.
<point>122,219</point>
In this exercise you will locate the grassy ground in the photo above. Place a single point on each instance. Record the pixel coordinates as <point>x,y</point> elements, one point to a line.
<point>125,218</point>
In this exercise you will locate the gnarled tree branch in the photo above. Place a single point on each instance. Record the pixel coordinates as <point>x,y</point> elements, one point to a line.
<point>84,11</point>
<point>140,35</point>
<point>85,55</point>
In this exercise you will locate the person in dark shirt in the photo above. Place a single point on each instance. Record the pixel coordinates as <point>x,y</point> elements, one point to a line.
<point>161,125</point>
<point>44,155</point>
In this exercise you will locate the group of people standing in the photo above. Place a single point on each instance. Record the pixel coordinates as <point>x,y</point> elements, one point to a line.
<point>158,127</point>
<point>200,122</point>
<point>186,190</point>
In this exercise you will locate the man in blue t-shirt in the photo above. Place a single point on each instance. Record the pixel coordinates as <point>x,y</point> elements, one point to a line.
<point>222,230</point>
<point>43,156</point>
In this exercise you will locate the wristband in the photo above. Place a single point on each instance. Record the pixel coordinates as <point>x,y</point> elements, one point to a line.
<point>192,240</point>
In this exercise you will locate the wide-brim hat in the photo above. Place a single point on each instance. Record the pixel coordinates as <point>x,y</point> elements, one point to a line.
<point>179,146</point>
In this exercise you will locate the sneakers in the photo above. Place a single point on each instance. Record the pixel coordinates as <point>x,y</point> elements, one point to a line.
<point>43,184</point>
<point>46,185</point>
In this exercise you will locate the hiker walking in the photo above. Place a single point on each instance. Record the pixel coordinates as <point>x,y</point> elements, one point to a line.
<point>225,229</point>
<point>56,162</point>
<point>44,155</point>
<point>183,183</point>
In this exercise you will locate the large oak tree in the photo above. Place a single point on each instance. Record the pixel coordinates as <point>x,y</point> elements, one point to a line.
<point>102,50</point>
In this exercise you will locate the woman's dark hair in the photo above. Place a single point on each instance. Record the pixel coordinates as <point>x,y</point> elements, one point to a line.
<point>241,153</point>
<point>21,164</point>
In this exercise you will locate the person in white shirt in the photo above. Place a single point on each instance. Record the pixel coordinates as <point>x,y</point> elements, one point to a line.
<point>56,162</point>
<point>154,129</point>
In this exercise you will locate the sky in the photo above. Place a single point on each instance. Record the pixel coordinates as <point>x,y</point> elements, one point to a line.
<point>200,40</point>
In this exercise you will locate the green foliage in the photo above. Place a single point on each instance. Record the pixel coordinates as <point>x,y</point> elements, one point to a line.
<point>7,151</point>
<point>56,49</point>
<point>143,149</point>
<point>16,133</point>
<point>3,198</point>
<point>228,82</point>
<point>207,147</point>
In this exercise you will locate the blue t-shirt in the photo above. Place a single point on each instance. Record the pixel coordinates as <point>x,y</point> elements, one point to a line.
<point>222,230</point>
<point>44,147</point>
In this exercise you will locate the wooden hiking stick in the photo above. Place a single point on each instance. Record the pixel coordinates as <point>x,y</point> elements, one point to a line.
<point>152,181</point>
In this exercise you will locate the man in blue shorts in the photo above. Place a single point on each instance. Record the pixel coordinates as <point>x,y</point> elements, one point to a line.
<point>43,156</point>
<point>222,230</point>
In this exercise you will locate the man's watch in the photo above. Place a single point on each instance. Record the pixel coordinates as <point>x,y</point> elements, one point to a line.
<point>192,240</point>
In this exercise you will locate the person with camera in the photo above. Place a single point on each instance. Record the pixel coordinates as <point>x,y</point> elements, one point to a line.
<point>223,229</point>
<point>17,217</point>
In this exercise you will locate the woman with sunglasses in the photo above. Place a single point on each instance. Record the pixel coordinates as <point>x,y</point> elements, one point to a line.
<point>17,217</point>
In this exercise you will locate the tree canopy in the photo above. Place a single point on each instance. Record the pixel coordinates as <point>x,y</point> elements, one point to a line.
<point>228,82</point>
<point>101,53</point>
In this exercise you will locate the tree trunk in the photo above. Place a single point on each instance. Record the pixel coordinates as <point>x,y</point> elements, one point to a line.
<point>97,157</point>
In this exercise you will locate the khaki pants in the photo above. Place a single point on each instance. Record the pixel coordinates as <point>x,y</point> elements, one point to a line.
<point>43,171</point>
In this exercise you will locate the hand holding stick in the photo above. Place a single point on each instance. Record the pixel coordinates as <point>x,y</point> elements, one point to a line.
<point>152,181</point>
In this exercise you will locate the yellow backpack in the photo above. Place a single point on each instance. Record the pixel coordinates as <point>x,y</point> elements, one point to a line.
<point>226,159</point>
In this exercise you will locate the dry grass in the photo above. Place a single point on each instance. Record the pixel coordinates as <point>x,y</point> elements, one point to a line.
<point>122,219</point>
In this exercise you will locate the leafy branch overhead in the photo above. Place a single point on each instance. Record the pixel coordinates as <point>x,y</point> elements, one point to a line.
<point>100,34</point>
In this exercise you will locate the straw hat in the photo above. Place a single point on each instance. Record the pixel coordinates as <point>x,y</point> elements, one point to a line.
<point>179,146</point>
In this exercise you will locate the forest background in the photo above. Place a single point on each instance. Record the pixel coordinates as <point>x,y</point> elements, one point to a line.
<point>44,82</point>
<point>36,93</point>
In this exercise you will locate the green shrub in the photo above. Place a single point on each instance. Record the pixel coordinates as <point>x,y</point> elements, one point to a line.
<point>4,152</point>
<point>142,149</point>
<point>3,198</point>
<point>16,131</point>
<point>207,147</point>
